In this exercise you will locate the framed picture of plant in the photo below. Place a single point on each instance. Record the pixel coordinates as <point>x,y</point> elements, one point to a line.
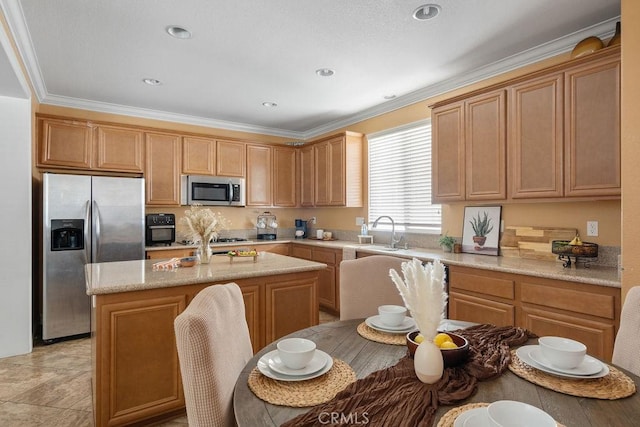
<point>481,229</point>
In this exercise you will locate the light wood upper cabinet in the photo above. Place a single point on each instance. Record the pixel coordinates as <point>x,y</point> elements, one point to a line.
<point>259,175</point>
<point>338,170</point>
<point>448,172</point>
<point>592,129</point>
<point>485,147</point>
<point>83,145</point>
<point>119,149</point>
<point>535,126</point>
<point>162,169</point>
<point>65,143</point>
<point>230,158</point>
<point>284,176</point>
<point>198,156</point>
<point>306,156</point>
<point>560,137</point>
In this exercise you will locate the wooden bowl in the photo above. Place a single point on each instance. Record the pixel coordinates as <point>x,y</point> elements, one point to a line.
<point>451,356</point>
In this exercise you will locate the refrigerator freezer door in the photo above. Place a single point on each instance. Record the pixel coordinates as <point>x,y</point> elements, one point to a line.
<point>66,305</point>
<point>118,219</point>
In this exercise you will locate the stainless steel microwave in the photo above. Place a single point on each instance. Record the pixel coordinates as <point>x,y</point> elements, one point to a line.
<point>212,190</point>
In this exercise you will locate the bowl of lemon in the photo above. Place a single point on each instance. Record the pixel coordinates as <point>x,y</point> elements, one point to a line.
<point>454,347</point>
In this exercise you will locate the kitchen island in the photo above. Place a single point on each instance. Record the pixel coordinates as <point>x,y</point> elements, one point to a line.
<point>136,373</point>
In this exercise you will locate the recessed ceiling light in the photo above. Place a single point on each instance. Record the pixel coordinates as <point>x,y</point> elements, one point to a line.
<point>178,32</point>
<point>325,72</point>
<point>389,96</point>
<point>152,82</point>
<point>426,11</point>
<point>269,104</point>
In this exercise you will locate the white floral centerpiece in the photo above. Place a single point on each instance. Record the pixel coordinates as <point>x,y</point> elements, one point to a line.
<point>202,226</point>
<point>424,295</point>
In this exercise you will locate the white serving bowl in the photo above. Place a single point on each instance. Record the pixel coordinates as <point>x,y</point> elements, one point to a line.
<point>296,353</point>
<point>510,413</point>
<point>562,352</point>
<point>392,315</point>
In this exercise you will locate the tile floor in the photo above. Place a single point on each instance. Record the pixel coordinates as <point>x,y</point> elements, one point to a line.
<point>51,386</point>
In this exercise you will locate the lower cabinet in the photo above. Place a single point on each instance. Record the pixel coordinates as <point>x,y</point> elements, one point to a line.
<point>587,313</point>
<point>136,371</point>
<point>329,278</point>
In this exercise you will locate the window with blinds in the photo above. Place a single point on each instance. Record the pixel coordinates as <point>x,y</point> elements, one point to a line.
<point>400,178</point>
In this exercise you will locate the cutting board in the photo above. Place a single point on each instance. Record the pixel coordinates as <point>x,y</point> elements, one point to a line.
<point>532,242</point>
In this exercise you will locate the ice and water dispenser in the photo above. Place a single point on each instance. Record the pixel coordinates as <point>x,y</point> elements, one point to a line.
<point>67,234</point>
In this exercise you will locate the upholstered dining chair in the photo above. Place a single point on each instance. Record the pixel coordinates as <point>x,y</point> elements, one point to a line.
<point>626,350</point>
<point>213,343</point>
<point>365,284</point>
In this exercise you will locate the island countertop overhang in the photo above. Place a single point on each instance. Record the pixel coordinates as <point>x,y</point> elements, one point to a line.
<point>129,276</point>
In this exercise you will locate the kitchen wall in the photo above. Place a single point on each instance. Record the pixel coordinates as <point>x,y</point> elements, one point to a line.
<point>630,144</point>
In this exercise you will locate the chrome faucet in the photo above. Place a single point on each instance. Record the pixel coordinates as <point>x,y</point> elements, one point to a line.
<point>392,245</point>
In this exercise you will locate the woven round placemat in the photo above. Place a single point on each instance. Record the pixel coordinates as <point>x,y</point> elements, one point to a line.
<point>449,418</point>
<point>616,385</point>
<point>299,394</point>
<point>381,337</point>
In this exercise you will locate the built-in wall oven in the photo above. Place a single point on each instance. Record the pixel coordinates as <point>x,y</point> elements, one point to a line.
<point>160,229</point>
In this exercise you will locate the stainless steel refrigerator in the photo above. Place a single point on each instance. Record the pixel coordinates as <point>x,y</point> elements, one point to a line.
<point>85,219</point>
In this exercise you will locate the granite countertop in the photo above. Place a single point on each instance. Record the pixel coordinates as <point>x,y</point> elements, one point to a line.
<point>595,275</point>
<point>127,276</point>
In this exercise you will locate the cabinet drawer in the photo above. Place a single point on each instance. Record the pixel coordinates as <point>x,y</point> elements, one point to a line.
<point>569,299</point>
<point>480,310</point>
<point>326,257</point>
<point>301,252</point>
<point>494,286</point>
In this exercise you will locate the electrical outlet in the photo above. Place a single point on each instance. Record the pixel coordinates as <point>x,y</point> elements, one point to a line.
<point>359,220</point>
<point>592,228</point>
<point>313,220</point>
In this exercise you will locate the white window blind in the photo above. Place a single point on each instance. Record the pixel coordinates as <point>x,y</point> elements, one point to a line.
<point>400,178</point>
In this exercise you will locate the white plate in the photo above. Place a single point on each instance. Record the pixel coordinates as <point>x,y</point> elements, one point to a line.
<point>523,354</point>
<point>277,365</point>
<point>589,365</point>
<point>263,367</point>
<point>407,325</point>
<point>476,417</point>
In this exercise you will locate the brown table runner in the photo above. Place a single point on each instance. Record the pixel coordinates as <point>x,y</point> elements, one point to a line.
<point>395,397</point>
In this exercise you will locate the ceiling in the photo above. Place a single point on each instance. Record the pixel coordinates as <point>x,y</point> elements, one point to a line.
<point>94,54</point>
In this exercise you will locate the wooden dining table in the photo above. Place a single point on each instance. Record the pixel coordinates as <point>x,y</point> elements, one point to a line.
<point>342,341</point>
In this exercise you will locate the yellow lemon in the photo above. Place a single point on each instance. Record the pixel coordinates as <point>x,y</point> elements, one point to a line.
<point>448,345</point>
<point>419,338</point>
<point>441,339</point>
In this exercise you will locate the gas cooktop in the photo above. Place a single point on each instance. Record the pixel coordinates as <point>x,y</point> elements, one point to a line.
<point>219,241</point>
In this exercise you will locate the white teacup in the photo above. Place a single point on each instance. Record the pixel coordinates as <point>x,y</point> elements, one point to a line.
<point>296,353</point>
<point>562,352</point>
<point>505,413</point>
<point>392,315</point>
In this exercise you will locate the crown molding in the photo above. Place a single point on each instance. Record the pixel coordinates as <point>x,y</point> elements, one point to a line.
<point>544,51</point>
<point>15,18</point>
<point>104,107</point>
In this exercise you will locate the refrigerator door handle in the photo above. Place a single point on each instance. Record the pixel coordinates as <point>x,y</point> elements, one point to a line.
<point>87,233</point>
<point>96,232</point>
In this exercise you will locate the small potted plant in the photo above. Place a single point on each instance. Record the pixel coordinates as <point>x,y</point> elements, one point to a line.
<point>446,242</point>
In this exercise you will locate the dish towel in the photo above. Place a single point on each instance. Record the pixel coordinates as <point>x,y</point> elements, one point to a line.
<point>395,397</point>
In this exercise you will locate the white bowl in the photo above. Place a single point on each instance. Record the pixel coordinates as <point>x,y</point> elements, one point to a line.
<point>392,315</point>
<point>296,353</point>
<point>510,413</point>
<point>562,352</point>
